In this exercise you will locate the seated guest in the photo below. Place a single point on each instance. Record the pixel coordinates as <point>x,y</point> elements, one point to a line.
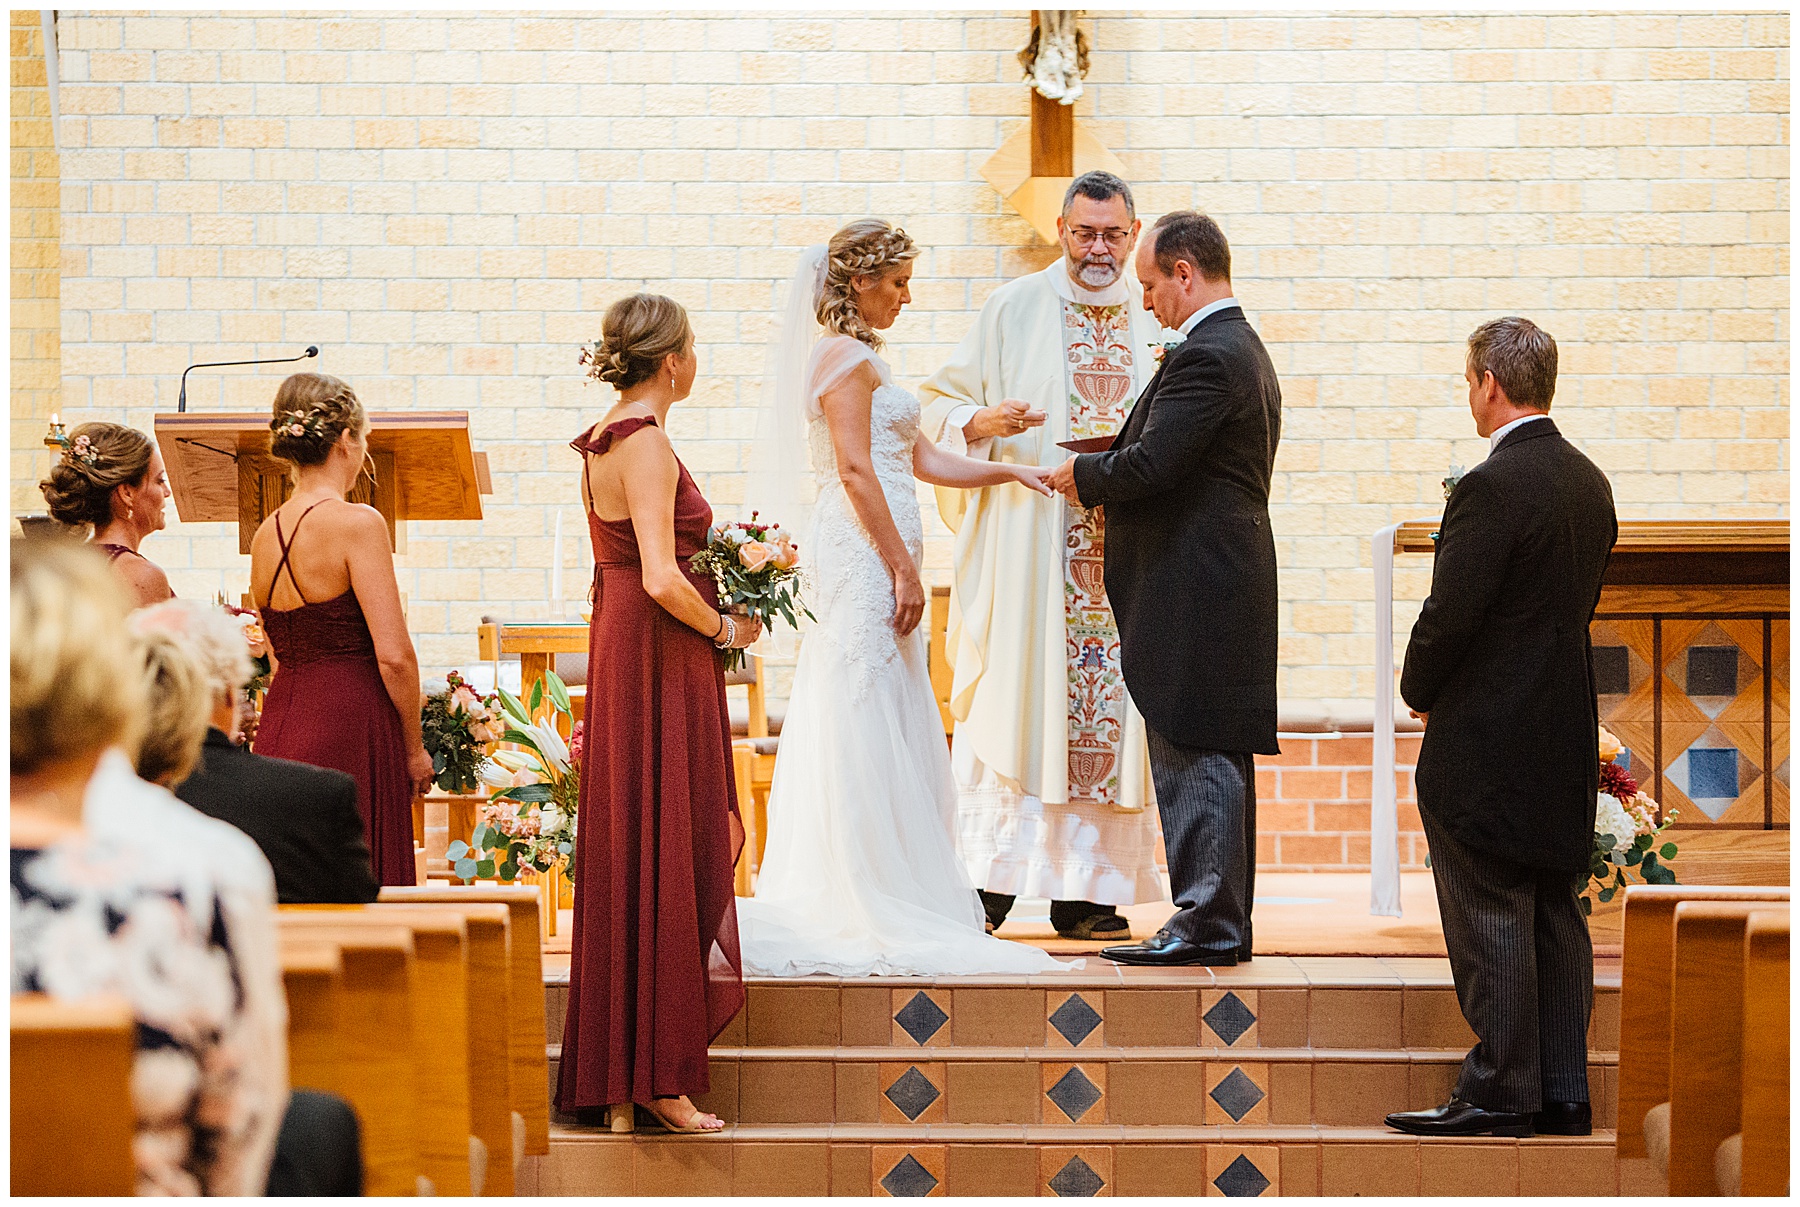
<point>110,480</point>
<point>304,818</point>
<point>102,912</point>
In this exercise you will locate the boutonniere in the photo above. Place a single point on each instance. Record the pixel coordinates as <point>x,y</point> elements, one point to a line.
<point>1450,482</point>
<point>1163,349</point>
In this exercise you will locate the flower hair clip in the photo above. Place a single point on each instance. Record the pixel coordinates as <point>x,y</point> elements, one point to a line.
<point>300,423</point>
<point>81,449</point>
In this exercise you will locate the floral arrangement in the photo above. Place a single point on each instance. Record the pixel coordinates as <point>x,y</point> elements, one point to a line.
<point>457,726</point>
<point>258,640</point>
<point>756,567</point>
<point>1159,351</point>
<point>1625,833</point>
<point>530,821</point>
<point>1452,479</point>
<point>299,423</point>
<point>80,449</point>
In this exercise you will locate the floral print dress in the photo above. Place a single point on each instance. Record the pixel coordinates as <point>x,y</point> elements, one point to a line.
<point>90,917</point>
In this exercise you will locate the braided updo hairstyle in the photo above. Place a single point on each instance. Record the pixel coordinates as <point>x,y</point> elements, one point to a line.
<point>866,247</point>
<point>98,459</point>
<point>311,411</point>
<point>636,335</point>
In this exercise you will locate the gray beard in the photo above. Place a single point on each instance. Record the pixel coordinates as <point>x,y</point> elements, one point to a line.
<point>1097,276</point>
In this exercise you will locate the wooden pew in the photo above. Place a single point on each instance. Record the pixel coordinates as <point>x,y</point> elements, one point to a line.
<point>1763,1151</point>
<point>1646,982</point>
<point>312,973</point>
<point>72,1118</point>
<point>526,1037</point>
<point>1706,1050</point>
<point>371,1065</point>
<point>440,1011</point>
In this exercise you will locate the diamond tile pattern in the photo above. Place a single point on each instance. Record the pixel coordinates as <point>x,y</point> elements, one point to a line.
<point>1074,1094</point>
<point>1237,1094</point>
<point>1241,1179</point>
<point>908,1179</point>
<point>1075,1020</point>
<point>912,1093</point>
<point>921,1018</point>
<point>1612,670</point>
<point>1077,1180</point>
<point>1230,1018</point>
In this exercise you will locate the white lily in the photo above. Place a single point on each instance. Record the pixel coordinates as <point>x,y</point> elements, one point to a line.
<point>494,775</point>
<point>516,760</point>
<point>551,744</point>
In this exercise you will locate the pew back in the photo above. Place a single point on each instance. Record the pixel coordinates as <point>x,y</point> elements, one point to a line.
<point>1766,1022</point>
<point>312,973</point>
<point>529,1076</point>
<point>1645,1026</point>
<point>72,1119</point>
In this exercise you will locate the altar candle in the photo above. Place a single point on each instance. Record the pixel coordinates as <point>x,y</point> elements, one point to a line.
<point>556,577</point>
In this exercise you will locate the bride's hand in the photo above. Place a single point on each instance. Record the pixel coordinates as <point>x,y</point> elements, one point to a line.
<point>1034,477</point>
<point>909,600</point>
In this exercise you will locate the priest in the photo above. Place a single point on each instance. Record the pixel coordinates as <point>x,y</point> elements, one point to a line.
<point>1049,753</point>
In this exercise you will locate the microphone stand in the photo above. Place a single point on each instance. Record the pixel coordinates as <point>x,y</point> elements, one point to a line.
<point>181,402</point>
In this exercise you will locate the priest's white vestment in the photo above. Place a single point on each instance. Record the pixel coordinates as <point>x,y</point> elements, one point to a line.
<point>1049,754</point>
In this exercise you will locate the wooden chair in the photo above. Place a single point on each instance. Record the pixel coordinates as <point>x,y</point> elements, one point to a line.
<point>440,1027</point>
<point>1706,1050</point>
<point>371,1059</point>
<point>529,1078</point>
<point>72,1118</point>
<point>937,655</point>
<point>753,766</point>
<point>1646,984</point>
<point>1763,1145</point>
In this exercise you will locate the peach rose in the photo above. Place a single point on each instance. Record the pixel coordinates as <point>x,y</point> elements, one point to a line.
<point>786,556</point>
<point>755,555</point>
<point>1609,745</point>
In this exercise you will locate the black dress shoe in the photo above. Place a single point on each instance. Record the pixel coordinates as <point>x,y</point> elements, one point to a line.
<point>1564,1119</point>
<point>1459,1118</point>
<point>1166,951</point>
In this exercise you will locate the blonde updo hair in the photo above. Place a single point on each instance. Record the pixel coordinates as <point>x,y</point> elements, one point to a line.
<point>71,692</point>
<point>311,411</point>
<point>178,707</point>
<point>866,247</point>
<point>636,335</point>
<point>98,459</point>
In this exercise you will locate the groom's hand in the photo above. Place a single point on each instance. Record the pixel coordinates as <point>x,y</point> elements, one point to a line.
<point>1062,481</point>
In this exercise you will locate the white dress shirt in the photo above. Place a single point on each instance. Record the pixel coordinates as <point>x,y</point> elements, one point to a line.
<point>1201,315</point>
<point>1500,434</point>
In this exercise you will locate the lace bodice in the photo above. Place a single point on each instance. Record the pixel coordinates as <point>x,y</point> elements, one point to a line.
<point>852,593</point>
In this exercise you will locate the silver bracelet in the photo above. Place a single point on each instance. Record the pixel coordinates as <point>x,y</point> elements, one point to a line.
<point>730,627</point>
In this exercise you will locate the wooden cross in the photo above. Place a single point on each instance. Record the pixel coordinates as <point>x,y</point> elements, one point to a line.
<point>1052,131</point>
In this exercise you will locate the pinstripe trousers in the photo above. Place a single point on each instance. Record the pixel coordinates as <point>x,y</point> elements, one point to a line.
<point>1524,971</point>
<point>1207,800</point>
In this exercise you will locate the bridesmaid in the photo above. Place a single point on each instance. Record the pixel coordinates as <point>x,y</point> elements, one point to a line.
<point>346,687</point>
<point>111,478</point>
<point>655,973</point>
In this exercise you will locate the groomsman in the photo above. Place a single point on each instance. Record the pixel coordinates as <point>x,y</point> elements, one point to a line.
<point>1190,569</point>
<point>1500,668</point>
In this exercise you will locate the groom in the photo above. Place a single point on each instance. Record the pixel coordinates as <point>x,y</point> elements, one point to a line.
<point>1190,569</point>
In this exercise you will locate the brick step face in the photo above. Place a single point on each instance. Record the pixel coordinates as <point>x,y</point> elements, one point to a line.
<point>1350,1017</point>
<point>934,1162</point>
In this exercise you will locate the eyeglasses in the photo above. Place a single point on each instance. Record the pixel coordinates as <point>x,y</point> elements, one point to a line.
<point>1087,238</point>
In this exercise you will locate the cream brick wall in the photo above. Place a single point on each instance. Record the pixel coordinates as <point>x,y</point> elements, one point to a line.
<point>446,203</point>
<point>36,224</point>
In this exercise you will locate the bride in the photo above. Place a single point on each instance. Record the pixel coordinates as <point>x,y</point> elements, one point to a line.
<point>861,875</point>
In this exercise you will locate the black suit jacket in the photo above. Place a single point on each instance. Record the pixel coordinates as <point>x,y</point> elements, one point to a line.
<point>1500,657</point>
<point>1190,558</point>
<point>304,818</point>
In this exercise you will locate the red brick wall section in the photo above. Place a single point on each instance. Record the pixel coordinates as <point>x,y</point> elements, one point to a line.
<point>1312,805</point>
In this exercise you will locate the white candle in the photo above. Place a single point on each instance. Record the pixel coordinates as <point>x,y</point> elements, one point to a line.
<point>556,573</point>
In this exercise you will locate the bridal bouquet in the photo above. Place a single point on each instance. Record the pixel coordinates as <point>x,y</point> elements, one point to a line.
<point>457,725</point>
<point>258,642</point>
<point>1625,831</point>
<point>530,820</point>
<point>757,569</point>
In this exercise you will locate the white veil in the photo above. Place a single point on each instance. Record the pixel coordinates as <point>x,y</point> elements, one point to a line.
<point>780,483</point>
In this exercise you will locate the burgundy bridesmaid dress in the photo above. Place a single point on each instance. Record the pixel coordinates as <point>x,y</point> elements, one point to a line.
<point>655,973</point>
<point>329,707</point>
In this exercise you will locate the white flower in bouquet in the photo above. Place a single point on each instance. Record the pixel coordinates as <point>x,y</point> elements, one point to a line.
<point>516,760</point>
<point>552,745</point>
<point>549,818</point>
<point>494,775</point>
<point>1610,817</point>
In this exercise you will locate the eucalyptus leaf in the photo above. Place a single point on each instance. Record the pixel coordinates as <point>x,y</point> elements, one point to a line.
<point>509,870</point>
<point>1606,894</point>
<point>1670,850</point>
<point>457,850</point>
<point>465,869</point>
<point>485,869</point>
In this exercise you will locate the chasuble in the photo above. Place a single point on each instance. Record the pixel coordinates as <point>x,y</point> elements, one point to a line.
<point>1049,753</point>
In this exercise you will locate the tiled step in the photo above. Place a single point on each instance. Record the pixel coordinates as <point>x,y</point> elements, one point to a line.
<point>1090,1088</point>
<point>1174,1008</point>
<point>937,1160</point>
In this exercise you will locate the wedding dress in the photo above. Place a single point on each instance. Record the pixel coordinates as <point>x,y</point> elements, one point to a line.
<point>861,874</point>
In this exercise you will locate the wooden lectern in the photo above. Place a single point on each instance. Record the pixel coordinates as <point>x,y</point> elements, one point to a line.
<point>425,469</point>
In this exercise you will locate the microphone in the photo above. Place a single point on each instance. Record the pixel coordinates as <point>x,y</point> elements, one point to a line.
<point>181,402</point>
